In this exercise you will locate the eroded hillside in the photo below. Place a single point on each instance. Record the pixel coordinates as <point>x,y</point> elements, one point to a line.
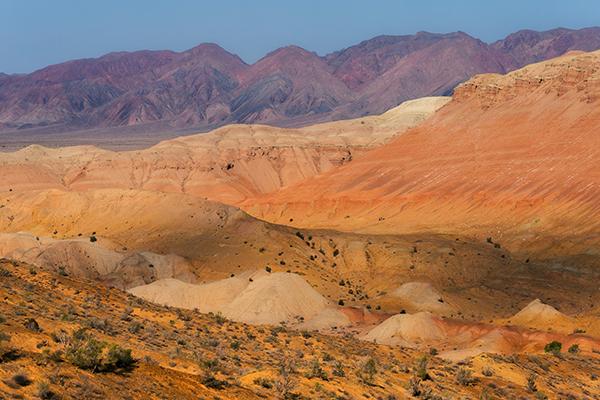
<point>185,354</point>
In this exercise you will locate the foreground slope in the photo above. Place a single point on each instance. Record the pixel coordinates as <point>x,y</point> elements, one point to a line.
<point>187,355</point>
<point>513,157</point>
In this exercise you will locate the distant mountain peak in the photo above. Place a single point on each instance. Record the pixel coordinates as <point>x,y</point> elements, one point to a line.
<point>289,51</point>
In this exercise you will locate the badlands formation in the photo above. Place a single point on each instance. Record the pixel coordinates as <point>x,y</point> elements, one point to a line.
<point>514,154</point>
<point>433,227</point>
<point>227,165</point>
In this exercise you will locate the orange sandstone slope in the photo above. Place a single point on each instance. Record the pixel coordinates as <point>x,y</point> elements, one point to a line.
<point>515,157</point>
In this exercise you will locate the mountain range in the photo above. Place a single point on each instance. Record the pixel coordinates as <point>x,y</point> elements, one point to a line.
<point>446,248</point>
<point>206,86</point>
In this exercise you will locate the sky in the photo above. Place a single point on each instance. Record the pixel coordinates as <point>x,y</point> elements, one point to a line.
<point>34,34</point>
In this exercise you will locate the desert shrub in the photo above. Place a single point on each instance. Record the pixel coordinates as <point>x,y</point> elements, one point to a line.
<point>428,394</point>
<point>126,315</point>
<point>531,385</point>
<point>553,347</point>
<point>264,382</point>
<point>316,371</point>
<point>574,349</point>
<point>367,371</point>
<point>117,357</point>
<point>32,325</point>
<point>219,318</point>
<point>211,365</point>
<point>306,334</point>
<point>135,326</point>
<point>485,395</point>
<point>464,377</point>
<point>101,325</point>
<point>338,369</point>
<point>277,330</point>
<point>85,353</point>
<point>420,368</point>
<point>286,383</point>
<point>7,353</point>
<point>540,362</point>
<point>414,386</point>
<point>44,392</point>
<point>93,239</point>
<point>487,371</point>
<point>55,356</point>
<point>21,380</point>
<point>210,381</point>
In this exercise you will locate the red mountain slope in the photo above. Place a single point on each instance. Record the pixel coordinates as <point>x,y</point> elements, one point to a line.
<point>511,156</point>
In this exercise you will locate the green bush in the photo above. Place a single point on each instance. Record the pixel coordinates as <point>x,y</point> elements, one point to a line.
<point>117,357</point>
<point>85,353</point>
<point>420,368</point>
<point>553,347</point>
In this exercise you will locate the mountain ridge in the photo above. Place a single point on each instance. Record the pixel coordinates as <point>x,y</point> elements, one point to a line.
<point>206,86</point>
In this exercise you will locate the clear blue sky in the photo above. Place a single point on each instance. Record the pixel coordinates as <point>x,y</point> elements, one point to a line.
<point>37,33</point>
